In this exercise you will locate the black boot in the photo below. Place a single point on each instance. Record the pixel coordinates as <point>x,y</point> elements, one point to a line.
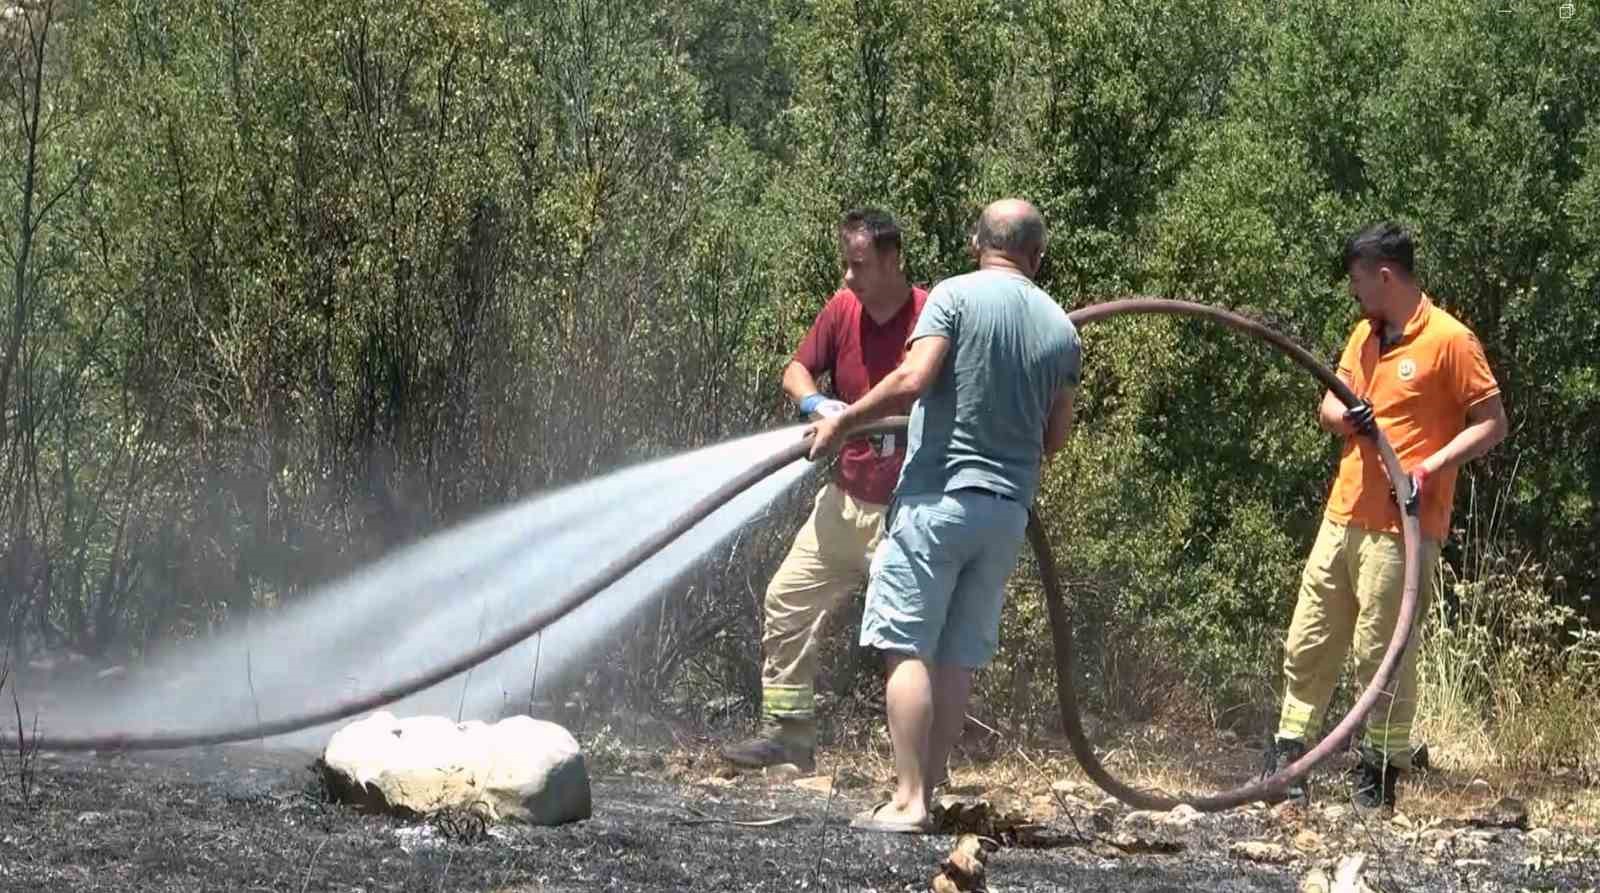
<point>1419,758</point>
<point>779,741</point>
<point>1375,780</point>
<point>1279,753</point>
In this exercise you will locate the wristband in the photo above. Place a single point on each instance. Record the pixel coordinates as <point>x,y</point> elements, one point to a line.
<point>808,404</point>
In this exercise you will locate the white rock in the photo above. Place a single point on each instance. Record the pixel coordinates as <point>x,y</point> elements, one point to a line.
<point>1347,876</point>
<point>1183,815</point>
<point>1316,881</point>
<point>420,837</point>
<point>781,772</point>
<point>1141,819</point>
<point>519,769</point>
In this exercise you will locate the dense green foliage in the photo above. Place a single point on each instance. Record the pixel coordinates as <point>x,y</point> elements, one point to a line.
<point>287,285</point>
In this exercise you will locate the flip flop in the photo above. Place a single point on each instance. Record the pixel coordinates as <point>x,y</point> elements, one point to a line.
<point>868,820</point>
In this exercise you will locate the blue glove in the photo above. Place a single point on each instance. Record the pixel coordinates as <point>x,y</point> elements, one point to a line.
<point>817,404</point>
<point>830,408</point>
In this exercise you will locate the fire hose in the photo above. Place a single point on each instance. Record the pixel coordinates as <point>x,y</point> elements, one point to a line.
<point>1268,788</point>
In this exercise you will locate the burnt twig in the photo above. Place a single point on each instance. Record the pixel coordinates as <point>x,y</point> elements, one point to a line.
<point>822,826</point>
<point>5,674</point>
<point>306,884</point>
<point>26,752</point>
<point>1061,800</point>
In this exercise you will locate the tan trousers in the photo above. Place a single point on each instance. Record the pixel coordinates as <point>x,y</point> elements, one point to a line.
<point>1349,603</point>
<point>827,562</point>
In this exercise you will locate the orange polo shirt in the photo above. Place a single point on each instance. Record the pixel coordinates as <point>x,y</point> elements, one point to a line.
<point>1420,389</point>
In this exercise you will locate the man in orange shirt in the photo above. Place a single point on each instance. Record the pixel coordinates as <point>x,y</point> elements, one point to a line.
<point>1423,378</point>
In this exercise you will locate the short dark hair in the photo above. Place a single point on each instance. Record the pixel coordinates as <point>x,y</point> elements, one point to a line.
<point>1384,242</point>
<point>878,225</point>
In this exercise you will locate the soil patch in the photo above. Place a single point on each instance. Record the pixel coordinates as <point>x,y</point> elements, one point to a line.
<point>240,818</point>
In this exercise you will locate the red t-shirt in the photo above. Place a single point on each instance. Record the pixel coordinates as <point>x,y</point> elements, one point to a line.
<point>846,341</point>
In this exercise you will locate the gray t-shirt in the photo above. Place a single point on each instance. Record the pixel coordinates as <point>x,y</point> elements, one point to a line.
<point>981,423</point>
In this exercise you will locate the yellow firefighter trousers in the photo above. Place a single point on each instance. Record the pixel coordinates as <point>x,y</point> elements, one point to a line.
<point>827,562</point>
<point>1349,602</point>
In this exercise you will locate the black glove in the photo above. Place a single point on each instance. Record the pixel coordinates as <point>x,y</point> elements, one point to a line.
<point>1419,478</point>
<point>1360,417</point>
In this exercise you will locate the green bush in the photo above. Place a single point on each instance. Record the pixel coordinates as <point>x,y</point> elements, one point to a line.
<point>286,288</point>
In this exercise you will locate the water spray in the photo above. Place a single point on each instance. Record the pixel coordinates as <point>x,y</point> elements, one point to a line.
<point>1271,787</point>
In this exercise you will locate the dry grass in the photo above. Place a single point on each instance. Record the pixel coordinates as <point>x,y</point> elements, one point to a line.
<point>1508,684</point>
<point>1186,761</point>
<point>1555,802</point>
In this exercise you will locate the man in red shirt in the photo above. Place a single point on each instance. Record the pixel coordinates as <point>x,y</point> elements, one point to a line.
<point>858,338</point>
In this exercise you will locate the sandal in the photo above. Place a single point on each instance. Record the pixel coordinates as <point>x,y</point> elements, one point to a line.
<point>867,820</point>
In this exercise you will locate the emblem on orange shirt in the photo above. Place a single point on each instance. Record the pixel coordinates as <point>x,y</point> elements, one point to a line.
<point>1408,369</point>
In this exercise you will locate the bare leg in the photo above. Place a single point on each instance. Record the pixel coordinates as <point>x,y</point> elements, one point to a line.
<point>952,685</point>
<point>909,693</point>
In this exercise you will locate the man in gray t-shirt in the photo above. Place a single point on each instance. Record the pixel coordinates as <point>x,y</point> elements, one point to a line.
<point>994,363</point>
<point>980,425</point>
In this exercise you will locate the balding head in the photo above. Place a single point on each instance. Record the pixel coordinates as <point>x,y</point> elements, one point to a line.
<point>1013,229</point>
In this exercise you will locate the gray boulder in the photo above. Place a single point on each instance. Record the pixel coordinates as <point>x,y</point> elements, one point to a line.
<point>519,769</point>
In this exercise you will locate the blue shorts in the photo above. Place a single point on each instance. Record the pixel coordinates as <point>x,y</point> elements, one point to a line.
<point>938,578</point>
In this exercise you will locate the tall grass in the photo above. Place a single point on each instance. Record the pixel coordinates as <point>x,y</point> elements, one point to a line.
<point>1510,672</point>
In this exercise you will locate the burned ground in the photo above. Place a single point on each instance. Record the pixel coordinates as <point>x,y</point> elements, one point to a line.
<point>238,818</point>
